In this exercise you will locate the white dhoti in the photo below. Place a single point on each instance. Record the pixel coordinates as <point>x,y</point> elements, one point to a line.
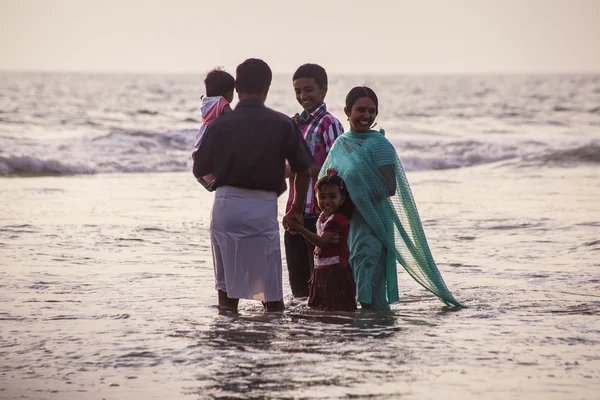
<point>244,235</point>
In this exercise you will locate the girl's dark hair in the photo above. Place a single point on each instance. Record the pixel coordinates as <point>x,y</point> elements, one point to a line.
<point>218,83</point>
<point>361,91</point>
<point>347,206</point>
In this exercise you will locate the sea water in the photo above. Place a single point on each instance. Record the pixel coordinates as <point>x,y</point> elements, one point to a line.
<point>106,280</point>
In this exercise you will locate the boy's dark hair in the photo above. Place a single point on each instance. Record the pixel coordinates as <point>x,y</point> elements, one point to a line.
<point>361,91</point>
<point>253,76</point>
<point>347,207</point>
<point>218,83</point>
<point>314,71</point>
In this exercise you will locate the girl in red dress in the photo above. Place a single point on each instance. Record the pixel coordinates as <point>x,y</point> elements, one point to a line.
<point>332,285</point>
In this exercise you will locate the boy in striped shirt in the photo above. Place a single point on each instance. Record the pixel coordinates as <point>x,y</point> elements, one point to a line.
<point>319,129</point>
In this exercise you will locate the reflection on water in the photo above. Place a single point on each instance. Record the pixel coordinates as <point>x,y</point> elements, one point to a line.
<point>256,355</point>
<point>87,314</point>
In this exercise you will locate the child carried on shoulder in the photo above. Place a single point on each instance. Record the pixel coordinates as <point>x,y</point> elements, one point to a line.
<point>219,94</point>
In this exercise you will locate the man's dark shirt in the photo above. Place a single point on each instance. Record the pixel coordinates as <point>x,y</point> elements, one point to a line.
<point>247,148</point>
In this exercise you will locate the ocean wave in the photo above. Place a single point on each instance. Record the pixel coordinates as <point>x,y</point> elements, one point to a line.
<point>595,110</point>
<point>146,112</point>
<point>425,155</point>
<point>32,166</point>
<point>585,154</point>
<point>122,151</point>
<point>150,152</point>
<point>418,156</point>
<point>27,166</point>
<point>572,109</point>
<point>124,139</point>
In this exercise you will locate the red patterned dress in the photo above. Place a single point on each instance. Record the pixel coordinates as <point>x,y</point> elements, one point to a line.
<point>332,285</point>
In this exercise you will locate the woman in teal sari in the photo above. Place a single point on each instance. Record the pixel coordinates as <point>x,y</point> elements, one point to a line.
<point>386,229</point>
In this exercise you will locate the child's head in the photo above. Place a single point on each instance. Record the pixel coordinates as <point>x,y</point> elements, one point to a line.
<point>219,83</point>
<point>332,194</point>
<point>361,108</point>
<point>310,85</point>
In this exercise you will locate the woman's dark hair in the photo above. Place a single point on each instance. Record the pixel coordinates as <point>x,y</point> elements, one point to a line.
<point>347,206</point>
<point>253,76</point>
<point>313,71</point>
<point>361,91</point>
<point>218,82</point>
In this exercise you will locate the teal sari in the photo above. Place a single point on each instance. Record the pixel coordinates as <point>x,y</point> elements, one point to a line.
<point>385,229</point>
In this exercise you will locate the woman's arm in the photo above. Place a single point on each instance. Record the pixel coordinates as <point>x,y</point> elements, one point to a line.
<point>384,161</point>
<point>388,178</point>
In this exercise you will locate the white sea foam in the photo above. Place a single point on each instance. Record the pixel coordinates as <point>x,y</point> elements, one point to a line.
<point>81,124</point>
<point>144,152</point>
<point>31,166</point>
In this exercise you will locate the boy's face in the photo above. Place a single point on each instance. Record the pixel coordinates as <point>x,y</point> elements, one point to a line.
<point>308,93</point>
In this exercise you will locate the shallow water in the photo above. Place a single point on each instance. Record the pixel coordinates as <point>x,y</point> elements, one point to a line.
<point>107,292</point>
<point>106,282</point>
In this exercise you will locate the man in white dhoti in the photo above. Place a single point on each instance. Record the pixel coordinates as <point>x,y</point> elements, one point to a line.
<point>246,150</point>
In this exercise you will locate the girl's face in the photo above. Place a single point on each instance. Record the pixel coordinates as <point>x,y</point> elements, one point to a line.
<point>362,115</point>
<point>329,198</point>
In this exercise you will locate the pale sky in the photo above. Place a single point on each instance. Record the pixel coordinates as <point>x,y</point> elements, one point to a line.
<point>345,36</point>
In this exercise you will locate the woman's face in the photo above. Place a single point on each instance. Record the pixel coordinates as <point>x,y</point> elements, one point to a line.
<point>362,115</point>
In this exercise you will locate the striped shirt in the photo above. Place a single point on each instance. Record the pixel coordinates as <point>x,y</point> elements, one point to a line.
<point>319,129</point>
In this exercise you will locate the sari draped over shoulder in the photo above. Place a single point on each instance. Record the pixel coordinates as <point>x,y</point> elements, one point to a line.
<point>377,184</point>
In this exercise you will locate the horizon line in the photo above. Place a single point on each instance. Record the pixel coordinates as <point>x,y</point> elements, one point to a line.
<point>379,73</point>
